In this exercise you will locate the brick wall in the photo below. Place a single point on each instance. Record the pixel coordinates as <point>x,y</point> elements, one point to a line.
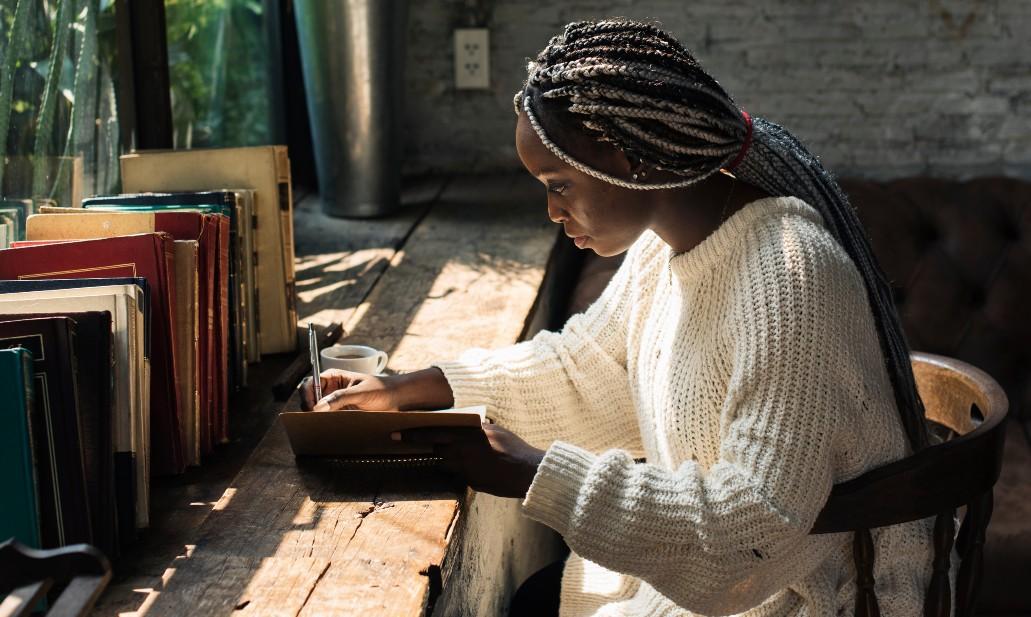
<point>878,88</point>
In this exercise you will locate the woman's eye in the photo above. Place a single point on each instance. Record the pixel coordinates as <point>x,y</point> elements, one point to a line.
<point>556,188</point>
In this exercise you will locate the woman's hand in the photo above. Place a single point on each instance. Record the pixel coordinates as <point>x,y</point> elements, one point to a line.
<point>425,389</point>
<point>490,459</point>
<point>349,390</point>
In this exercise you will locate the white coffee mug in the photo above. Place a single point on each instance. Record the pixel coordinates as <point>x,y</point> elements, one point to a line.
<point>356,358</point>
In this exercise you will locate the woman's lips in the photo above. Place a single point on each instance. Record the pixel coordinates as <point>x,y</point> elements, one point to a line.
<point>581,241</point>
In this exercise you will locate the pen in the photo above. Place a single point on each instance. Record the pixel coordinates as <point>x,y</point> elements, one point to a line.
<point>313,351</point>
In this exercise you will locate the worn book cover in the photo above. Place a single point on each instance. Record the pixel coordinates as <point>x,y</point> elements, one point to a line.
<point>56,427</point>
<point>266,170</point>
<point>130,375</point>
<point>152,257</point>
<point>19,518</point>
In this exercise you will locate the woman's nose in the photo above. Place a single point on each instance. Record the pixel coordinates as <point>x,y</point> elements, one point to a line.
<point>556,214</point>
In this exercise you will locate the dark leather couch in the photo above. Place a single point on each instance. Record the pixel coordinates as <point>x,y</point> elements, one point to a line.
<point>959,257</point>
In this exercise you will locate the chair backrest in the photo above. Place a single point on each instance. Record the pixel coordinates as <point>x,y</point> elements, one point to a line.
<point>79,572</point>
<point>966,407</point>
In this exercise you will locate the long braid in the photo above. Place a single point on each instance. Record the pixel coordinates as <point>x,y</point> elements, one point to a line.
<point>631,84</point>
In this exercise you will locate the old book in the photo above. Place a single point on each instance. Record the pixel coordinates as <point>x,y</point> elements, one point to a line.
<point>150,256</point>
<point>95,355</point>
<point>56,427</point>
<point>207,230</point>
<point>249,261</point>
<point>186,291</point>
<point>266,170</point>
<point>125,303</point>
<point>19,518</point>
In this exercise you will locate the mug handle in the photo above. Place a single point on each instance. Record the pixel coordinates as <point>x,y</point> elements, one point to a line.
<point>381,361</point>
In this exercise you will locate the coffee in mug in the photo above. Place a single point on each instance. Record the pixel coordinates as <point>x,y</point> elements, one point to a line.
<point>356,358</point>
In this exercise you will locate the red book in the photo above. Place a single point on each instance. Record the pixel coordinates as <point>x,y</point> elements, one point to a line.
<point>221,434</point>
<point>147,255</point>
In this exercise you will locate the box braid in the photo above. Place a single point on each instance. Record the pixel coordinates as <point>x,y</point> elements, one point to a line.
<point>630,84</point>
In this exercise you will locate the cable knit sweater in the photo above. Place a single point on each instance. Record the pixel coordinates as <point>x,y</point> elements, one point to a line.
<point>747,372</point>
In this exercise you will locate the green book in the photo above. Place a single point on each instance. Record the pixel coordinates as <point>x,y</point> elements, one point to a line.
<point>19,518</point>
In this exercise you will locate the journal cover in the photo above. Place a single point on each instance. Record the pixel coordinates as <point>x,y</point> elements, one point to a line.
<point>56,427</point>
<point>354,434</point>
<point>152,257</point>
<point>266,170</point>
<point>96,399</point>
<point>19,518</point>
<point>130,376</point>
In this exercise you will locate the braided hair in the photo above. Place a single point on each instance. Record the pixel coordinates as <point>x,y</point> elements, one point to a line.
<point>635,86</point>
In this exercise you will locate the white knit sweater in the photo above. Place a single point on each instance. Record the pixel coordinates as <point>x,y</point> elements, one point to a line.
<point>747,371</point>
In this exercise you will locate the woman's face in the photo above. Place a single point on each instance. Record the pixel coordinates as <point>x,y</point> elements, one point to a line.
<point>596,214</point>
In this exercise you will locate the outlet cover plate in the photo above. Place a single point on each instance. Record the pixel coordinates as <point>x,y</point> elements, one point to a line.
<point>472,58</point>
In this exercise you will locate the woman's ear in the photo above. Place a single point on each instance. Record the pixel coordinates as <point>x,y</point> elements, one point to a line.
<point>635,167</point>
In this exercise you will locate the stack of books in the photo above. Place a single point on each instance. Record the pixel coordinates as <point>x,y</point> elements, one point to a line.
<point>126,324</point>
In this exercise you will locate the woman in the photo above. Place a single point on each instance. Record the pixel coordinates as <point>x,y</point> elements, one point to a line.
<point>747,348</point>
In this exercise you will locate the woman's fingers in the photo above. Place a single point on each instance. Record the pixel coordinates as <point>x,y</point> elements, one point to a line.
<point>336,400</point>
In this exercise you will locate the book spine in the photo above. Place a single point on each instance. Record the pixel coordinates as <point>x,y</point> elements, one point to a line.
<point>169,436</point>
<point>29,403</point>
<point>287,230</point>
<point>254,279</point>
<point>77,500</point>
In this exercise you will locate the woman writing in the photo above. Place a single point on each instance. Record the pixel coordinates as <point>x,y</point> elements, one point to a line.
<point>747,349</point>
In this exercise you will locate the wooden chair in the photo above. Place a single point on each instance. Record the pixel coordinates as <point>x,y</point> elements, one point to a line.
<point>26,575</point>
<point>966,408</point>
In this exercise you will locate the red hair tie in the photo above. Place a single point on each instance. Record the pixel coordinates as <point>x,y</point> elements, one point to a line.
<point>748,142</point>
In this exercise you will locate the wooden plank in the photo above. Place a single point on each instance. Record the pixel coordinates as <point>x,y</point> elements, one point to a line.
<point>321,538</point>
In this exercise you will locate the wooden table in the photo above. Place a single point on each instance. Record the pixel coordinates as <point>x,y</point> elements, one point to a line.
<point>463,265</point>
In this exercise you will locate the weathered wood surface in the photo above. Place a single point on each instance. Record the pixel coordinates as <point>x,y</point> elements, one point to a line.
<point>321,538</point>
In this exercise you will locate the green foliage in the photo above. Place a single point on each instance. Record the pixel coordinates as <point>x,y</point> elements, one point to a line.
<point>219,66</point>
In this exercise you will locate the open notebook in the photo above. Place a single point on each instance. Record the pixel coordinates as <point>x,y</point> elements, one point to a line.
<point>363,437</point>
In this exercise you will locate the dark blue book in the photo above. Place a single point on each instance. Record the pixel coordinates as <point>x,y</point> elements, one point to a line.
<point>19,518</point>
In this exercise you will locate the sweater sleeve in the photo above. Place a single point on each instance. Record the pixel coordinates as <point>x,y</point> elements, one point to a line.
<point>568,385</point>
<point>721,540</point>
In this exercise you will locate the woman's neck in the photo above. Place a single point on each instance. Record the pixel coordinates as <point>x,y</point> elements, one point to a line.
<point>684,217</point>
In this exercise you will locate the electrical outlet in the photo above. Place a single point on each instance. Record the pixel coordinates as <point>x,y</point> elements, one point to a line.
<point>472,58</point>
